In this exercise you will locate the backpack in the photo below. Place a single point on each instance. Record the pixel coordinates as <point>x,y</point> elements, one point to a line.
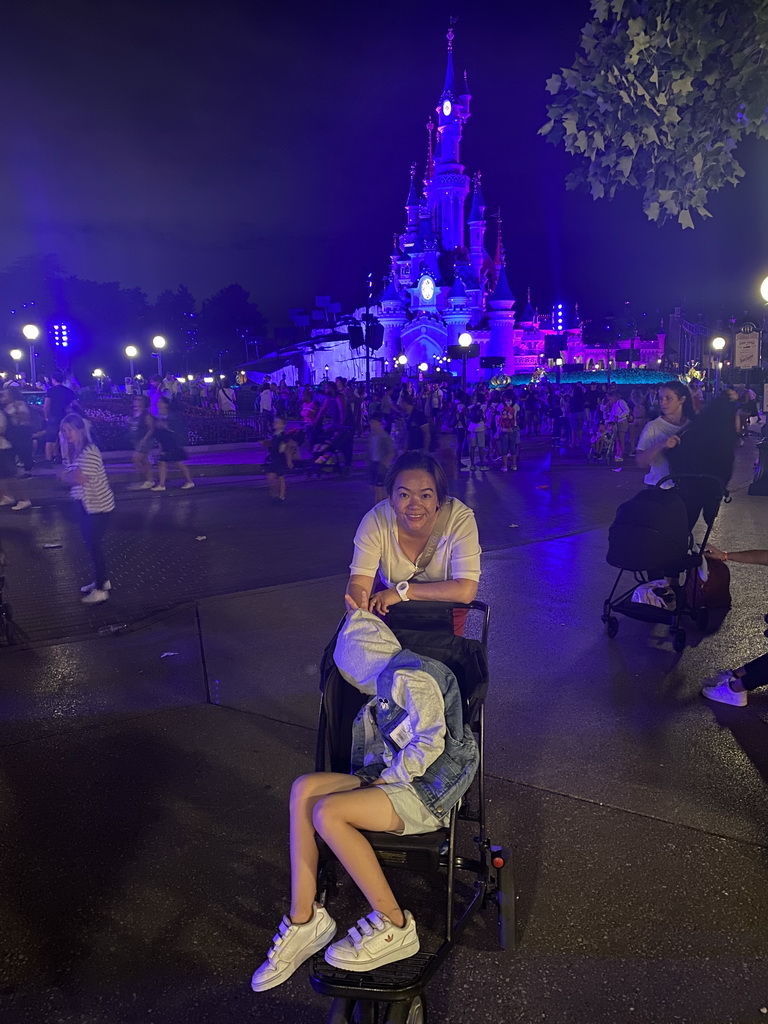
<point>508,418</point>
<point>476,413</point>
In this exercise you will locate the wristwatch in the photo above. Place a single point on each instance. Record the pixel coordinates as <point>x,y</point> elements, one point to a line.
<point>402,590</point>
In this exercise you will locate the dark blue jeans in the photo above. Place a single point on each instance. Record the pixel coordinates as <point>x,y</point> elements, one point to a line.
<point>93,526</point>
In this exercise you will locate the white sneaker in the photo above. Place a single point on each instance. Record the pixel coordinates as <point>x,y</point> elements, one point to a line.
<point>719,690</point>
<point>146,485</point>
<point>95,597</point>
<point>20,506</point>
<point>158,487</point>
<point>374,942</point>
<point>187,485</point>
<point>293,944</point>
<point>90,587</point>
<point>6,501</point>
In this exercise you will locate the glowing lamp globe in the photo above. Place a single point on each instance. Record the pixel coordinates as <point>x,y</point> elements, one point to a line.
<point>402,359</point>
<point>718,344</point>
<point>465,339</point>
<point>559,361</point>
<point>131,351</point>
<point>764,289</point>
<point>16,355</point>
<point>423,367</point>
<point>158,341</point>
<point>30,332</point>
<point>98,373</point>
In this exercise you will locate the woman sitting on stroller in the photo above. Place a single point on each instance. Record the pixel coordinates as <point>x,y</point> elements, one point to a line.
<point>412,760</point>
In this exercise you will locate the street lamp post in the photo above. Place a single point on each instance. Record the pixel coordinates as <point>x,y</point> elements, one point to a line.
<point>131,351</point>
<point>31,332</point>
<point>17,355</point>
<point>559,365</point>
<point>402,361</point>
<point>159,343</point>
<point>718,344</point>
<point>465,340</point>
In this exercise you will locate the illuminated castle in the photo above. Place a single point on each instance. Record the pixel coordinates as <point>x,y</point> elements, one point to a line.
<point>442,280</point>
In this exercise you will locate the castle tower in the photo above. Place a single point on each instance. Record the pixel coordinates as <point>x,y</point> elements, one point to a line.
<point>392,317</point>
<point>501,315</point>
<point>448,187</point>
<point>456,315</point>
<point>477,229</point>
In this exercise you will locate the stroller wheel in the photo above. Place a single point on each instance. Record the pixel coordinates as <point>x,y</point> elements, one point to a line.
<point>612,626</point>
<point>678,640</point>
<point>702,619</point>
<point>407,1013</point>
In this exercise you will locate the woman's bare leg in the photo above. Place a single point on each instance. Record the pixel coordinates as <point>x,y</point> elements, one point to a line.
<point>338,818</point>
<point>305,793</point>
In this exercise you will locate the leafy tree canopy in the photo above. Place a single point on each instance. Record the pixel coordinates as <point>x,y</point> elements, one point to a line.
<point>660,96</point>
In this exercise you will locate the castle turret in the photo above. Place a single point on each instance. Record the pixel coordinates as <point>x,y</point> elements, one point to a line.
<point>477,229</point>
<point>392,318</point>
<point>501,315</point>
<point>456,314</point>
<point>449,186</point>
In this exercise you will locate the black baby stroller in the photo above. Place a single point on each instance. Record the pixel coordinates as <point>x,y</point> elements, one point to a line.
<point>395,993</point>
<point>651,537</point>
<point>331,454</point>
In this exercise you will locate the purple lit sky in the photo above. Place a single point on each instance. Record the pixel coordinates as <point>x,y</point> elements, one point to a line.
<point>165,141</point>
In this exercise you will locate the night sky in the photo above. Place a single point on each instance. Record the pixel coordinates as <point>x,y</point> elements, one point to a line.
<point>164,142</point>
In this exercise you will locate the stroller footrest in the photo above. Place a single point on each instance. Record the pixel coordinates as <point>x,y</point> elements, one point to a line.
<point>394,981</point>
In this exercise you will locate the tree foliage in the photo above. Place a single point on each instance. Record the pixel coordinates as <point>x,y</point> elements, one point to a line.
<point>660,96</point>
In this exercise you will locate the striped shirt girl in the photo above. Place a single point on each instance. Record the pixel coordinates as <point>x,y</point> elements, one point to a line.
<point>95,494</point>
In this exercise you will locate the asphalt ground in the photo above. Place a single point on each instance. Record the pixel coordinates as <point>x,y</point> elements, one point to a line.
<point>145,775</point>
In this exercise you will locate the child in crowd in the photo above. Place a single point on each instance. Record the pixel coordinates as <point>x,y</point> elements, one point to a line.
<point>381,453</point>
<point>412,760</point>
<point>476,426</point>
<point>279,461</point>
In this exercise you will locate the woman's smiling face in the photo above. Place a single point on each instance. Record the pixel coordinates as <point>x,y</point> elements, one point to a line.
<point>414,499</point>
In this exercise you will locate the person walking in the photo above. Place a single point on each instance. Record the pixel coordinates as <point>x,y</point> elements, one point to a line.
<point>143,434</point>
<point>84,472</point>
<point>279,461</point>
<point>167,434</point>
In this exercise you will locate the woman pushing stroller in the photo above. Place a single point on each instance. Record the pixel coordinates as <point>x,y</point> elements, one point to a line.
<point>412,760</point>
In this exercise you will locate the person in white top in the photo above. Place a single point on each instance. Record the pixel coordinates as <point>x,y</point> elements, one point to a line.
<point>616,412</point>
<point>392,537</point>
<point>662,433</point>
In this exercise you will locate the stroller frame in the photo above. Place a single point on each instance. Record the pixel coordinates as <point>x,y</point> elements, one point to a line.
<point>624,605</point>
<point>395,993</point>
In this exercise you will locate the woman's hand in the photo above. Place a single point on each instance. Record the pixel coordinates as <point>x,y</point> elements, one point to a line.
<point>671,442</point>
<point>353,606</point>
<point>716,553</point>
<point>381,602</point>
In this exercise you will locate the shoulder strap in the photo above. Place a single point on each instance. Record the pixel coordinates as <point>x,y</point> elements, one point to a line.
<point>427,554</point>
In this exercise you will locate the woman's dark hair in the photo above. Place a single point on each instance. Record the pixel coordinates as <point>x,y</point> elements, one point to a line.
<point>708,446</point>
<point>681,391</point>
<point>419,461</point>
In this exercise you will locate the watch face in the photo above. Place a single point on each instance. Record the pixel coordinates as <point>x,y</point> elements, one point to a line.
<point>447,108</point>
<point>427,289</point>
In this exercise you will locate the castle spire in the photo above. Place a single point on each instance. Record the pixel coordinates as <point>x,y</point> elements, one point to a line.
<point>413,198</point>
<point>477,210</point>
<point>449,87</point>
<point>499,246</point>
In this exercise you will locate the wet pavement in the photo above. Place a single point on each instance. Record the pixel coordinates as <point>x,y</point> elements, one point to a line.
<point>145,775</point>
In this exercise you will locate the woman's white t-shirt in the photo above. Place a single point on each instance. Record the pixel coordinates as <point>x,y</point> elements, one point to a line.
<point>654,432</point>
<point>457,556</point>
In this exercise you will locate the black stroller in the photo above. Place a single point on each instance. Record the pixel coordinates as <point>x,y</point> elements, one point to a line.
<point>651,537</point>
<point>395,994</point>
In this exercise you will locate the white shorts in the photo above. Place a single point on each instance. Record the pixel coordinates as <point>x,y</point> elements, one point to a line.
<point>415,816</point>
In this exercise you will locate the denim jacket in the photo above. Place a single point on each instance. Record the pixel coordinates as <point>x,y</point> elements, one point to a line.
<point>417,711</point>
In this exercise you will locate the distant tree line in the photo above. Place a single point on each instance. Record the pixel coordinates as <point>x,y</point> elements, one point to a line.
<point>103,317</point>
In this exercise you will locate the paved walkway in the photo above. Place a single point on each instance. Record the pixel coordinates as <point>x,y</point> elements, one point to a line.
<point>145,775</point>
